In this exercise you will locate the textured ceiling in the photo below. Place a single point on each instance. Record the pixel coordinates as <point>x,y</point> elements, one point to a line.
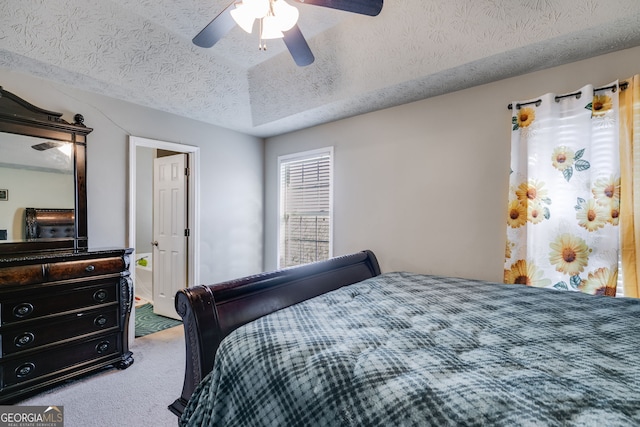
<point>141,51</point>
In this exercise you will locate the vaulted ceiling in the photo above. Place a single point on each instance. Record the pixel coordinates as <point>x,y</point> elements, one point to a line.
<point>141,51</point>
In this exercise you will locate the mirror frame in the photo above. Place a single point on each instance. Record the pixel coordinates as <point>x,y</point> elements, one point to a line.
<point>20,117</point>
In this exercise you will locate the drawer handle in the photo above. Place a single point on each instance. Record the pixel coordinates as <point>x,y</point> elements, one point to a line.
<point>24,339</point>
<point>23,310</point>
<point>25,369</point>
<point>89,268</point>
<point>102,347</point>
<point>100,295</point>
<point>100,321</point>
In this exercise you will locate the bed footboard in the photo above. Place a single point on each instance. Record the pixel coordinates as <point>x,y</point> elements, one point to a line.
<point>211,312</point>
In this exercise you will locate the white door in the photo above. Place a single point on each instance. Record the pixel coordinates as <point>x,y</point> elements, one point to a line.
<point>169,232</point>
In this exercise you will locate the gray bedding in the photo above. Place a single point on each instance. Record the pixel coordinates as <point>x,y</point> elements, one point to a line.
<point>404,349</point>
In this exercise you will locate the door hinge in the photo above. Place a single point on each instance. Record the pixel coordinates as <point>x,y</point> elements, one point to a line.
<point>187,232</point>
<point>186,171</point>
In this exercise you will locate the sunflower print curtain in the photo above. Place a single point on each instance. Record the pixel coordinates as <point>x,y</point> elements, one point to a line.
<point>564,192</point>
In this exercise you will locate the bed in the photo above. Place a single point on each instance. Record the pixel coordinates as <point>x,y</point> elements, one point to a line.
<point>339,343</point>
<point>49,223</point>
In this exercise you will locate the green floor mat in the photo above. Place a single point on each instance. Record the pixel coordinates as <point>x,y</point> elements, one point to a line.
<point>147,322</point>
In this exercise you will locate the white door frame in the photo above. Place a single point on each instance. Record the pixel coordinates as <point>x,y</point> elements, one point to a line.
<point>193,208</point>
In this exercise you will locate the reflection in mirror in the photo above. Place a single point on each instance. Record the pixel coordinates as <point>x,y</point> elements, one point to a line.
<point>36,173</point>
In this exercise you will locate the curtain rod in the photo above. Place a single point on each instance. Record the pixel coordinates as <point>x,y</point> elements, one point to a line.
<point>613,87</point>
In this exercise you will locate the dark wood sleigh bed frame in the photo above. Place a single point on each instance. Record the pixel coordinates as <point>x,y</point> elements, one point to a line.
<point>211,312</point>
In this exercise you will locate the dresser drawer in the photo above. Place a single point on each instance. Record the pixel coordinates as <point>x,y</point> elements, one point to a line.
<point>79,269</point>
<point>43,363</point>
<point>30,335</point>
<point>51,272</point>
<point>22,275</point>
<point>33,305</point>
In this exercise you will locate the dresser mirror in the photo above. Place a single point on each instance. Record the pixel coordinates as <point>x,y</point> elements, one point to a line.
<point>43,197</point>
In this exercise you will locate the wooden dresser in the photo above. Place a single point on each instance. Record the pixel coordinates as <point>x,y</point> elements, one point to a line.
<point>63,314</point>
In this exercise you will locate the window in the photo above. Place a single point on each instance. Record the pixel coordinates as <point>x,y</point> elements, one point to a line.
<point>305,199</point>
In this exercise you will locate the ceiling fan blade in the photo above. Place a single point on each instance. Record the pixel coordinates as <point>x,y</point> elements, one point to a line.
<point>297,45</point>
<point>216,29</point>
<point>363,7</point>
<point>47,145</point>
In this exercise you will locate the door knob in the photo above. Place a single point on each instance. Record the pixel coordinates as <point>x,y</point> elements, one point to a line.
<point>154,243</point>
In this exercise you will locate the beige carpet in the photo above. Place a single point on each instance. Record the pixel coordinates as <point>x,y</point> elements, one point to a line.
<point>134,397</point>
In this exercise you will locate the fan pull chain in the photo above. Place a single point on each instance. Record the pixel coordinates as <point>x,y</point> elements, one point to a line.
<point>262,45</point>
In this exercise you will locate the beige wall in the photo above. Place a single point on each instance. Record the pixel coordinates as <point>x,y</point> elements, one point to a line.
<point>424,185</point>
<point>231,173</point>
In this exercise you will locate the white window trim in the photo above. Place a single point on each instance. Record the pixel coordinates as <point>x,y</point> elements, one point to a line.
<point>300,156</point>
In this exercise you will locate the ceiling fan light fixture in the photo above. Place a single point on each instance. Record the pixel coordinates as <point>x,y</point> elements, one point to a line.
<point>286,14</point>
<point>247,11</point>
<point>243,16</point>
<point>258,8</point>
<point>276,16</point>
<point>271,28</point>
<point>66,149</point>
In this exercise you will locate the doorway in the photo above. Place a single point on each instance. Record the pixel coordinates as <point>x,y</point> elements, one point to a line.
<point>142,153</point>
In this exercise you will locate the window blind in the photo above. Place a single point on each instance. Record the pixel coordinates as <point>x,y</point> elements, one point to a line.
<point>305,209</point>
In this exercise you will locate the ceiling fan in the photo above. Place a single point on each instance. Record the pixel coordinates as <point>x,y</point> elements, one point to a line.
<point>244,13</point>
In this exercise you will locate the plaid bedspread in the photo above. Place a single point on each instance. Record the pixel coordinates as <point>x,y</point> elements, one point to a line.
<point>405,349</point>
